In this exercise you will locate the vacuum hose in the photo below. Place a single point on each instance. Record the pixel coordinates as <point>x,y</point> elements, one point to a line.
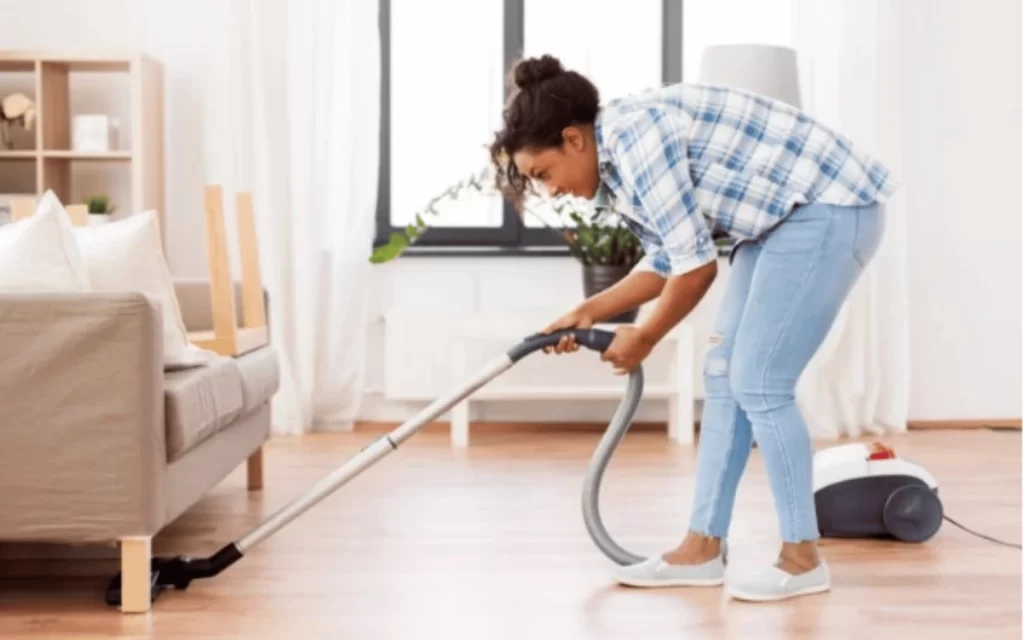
<point>597,340</point>
<point>179,572</point>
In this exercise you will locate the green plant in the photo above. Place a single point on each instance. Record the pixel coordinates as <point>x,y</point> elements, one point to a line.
<point>599,236</point>
<point>398,241</point>
<point>100,205</point>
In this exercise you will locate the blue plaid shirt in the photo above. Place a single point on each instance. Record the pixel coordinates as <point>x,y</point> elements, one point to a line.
<point>684,160</point>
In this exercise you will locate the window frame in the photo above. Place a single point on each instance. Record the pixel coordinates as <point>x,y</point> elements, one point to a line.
<point>513,237</point>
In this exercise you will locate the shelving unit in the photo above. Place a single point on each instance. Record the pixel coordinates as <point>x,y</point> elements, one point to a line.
<point>52,153</point>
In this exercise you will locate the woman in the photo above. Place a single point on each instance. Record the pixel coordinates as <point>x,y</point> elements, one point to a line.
<point>679,163</point>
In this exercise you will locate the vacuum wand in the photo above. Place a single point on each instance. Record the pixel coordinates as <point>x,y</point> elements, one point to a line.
<point>179,572</point>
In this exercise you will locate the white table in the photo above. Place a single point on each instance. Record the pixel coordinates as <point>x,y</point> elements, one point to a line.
<point>676,387</point>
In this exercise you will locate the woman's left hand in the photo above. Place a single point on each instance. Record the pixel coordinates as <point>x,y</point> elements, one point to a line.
<point>628,349</point>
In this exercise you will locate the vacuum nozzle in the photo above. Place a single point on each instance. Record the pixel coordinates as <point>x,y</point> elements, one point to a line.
<point>178,572</point>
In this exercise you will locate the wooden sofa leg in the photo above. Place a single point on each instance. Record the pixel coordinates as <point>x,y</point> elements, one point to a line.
<point>254,470</point>
<point>136,553</point>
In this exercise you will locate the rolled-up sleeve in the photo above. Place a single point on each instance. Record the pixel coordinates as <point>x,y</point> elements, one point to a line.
<point>649,151</point>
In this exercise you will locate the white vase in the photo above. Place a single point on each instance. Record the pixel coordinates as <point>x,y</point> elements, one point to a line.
<point>96,219</point>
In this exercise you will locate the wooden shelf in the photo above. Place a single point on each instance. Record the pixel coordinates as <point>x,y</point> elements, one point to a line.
<point>52,152</point>
<point>102,62</point>
<point>21,154</point>
<point>85,155</point>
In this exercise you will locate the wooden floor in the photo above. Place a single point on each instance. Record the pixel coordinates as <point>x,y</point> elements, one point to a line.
<point>488,544</point>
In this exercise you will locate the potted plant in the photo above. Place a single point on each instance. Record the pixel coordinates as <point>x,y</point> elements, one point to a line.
<point>600,241</point>
<point>596,237</point>
<point>100,210</point>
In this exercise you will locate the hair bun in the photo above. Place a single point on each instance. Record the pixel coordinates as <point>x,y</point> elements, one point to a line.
<point>536,70</point>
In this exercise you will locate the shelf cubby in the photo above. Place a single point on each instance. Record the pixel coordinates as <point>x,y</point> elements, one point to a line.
<point>128,87</point>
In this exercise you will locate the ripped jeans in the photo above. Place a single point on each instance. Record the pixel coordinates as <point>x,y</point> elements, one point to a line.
<point>783,295</point>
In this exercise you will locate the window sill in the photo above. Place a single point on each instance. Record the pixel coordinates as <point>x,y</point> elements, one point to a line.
<point>503,252</point>
<point>486,252</point>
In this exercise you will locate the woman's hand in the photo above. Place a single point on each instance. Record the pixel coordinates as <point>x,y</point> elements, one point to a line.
<point>628,349</point>
<point>578,318</point>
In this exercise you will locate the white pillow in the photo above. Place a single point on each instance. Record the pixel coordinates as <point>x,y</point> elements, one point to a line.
<point>126,255</point>
<point>38,254</point>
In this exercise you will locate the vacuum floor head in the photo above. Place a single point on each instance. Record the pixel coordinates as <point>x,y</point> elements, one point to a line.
<point>866,491</point>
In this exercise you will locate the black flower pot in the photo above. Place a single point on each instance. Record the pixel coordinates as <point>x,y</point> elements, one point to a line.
<point>598,277</point>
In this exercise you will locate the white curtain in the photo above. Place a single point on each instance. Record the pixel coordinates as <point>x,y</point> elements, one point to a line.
<point>308,88</point>
<point>849,52</point>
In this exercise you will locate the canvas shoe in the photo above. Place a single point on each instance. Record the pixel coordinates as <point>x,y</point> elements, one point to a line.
<point>775,584</point>
<point>655,572</point>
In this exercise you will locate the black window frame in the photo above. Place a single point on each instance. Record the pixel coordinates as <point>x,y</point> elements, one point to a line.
<point>513,237</point>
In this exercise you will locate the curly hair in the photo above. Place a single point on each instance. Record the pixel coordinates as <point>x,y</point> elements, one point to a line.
<point>545,100</point>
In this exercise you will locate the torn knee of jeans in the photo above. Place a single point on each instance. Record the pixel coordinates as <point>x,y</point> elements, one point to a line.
<point>715,364</point>
<point>717,367</point>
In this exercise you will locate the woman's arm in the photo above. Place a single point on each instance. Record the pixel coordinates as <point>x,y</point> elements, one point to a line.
<point>632,291</point>
<point>679,297</point>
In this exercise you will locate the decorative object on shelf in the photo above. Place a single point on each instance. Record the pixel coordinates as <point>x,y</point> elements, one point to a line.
<point>100,209</point>
<point>16,110</point>
<point>48,157</point>
<point>94,133</point>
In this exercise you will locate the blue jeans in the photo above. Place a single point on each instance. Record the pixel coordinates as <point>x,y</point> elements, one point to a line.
<point>784,293</point>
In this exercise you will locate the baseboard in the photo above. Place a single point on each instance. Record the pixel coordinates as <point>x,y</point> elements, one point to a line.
<point>507,427</point>
<point>1002,423</point>
<point>918,425</point>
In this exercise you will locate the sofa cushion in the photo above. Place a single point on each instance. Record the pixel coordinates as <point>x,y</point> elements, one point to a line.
<point>261,377</point>
<point>200,402</point>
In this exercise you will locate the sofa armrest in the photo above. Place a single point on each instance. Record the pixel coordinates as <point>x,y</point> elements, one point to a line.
<point>197,308</point>
<point>82,437</point>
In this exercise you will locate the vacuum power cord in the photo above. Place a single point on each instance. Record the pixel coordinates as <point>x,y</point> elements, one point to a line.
<point>981,535</point>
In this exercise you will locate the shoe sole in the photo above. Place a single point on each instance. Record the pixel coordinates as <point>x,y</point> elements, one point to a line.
<point>654,584</point>
<point>738,595</point>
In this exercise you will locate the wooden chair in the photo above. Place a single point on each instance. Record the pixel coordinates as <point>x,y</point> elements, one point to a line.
<point>227,338</point>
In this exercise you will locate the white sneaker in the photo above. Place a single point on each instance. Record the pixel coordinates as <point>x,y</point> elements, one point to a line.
<point>775,584</point>
<point>655,572</point>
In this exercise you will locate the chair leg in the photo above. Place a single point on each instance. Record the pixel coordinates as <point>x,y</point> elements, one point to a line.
<point>254,470</point>
<point>136,553</point>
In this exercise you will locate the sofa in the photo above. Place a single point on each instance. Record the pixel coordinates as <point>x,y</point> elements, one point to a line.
<point>98,442</point>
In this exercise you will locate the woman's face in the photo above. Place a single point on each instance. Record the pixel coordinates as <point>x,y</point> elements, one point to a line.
<point>569,169</point>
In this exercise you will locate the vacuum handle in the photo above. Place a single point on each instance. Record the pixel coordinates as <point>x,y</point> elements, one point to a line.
<point>595,339</point>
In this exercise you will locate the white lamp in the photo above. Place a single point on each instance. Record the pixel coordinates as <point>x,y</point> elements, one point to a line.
<point>768,70</point>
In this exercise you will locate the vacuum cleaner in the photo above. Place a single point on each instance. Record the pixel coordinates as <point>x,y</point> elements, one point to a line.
<point>866,491</point>
<point>859,490</point>
<point>179,572</point>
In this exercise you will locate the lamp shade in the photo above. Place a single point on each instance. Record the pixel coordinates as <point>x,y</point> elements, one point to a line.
<point>768,70</point>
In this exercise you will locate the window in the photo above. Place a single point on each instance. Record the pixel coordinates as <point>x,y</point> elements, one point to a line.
<point>444,70</point>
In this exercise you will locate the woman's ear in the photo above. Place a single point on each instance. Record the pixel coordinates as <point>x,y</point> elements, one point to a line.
<point>573,138</point>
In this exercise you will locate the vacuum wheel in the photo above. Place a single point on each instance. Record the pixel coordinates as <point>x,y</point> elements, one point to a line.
<point>912,513</point>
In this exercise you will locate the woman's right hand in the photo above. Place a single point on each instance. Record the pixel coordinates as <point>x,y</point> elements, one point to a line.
<point>578,318</point>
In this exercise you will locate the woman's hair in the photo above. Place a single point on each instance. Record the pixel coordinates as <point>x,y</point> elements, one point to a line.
<point>545,100</point>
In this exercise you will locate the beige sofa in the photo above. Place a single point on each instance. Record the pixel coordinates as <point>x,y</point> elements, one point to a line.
<point>97,442</point>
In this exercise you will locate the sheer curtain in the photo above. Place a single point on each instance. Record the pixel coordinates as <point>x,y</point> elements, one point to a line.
<point>308,91</point>
<point>858,382</point>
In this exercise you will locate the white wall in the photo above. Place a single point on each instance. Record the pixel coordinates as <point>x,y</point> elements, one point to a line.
<point>963,160</point>
<point>540,287</point>
<point>963,157</point>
